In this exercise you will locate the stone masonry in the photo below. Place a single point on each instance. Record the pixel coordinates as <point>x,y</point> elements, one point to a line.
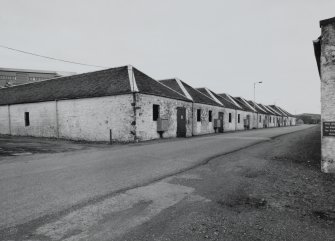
<point>327,74</point>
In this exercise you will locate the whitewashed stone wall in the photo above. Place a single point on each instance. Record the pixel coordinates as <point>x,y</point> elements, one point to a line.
<point>146,127</point>
<point>240,126</point>
<point>42,118</point>
<point>4,120</point>
<point>328,94</point>
<point>272,123</point>
<point>79,119</point>
<point>230,126</point>
<point>93,118</point>
<point>204,126</point>
<point>260,120</point>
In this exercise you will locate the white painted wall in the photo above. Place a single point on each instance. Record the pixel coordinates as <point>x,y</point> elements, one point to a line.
<point>229,126</point>
<point>79,119</point>
<point>146,127</point>
<point>93,118</point>
<point>204,126</point>
<point>42,117</point>
<point>4,120</point>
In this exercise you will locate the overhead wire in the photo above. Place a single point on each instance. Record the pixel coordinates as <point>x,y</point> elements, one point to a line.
<point>51,58</point>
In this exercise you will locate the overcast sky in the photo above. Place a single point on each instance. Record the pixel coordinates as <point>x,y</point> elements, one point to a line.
<point>223,45</point>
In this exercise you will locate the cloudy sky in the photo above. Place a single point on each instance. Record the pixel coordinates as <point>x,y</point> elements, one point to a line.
<point>223,45</point>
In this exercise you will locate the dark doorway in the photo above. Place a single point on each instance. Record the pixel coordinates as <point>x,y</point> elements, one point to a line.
<point>221,122</point>
<point>181,122</point>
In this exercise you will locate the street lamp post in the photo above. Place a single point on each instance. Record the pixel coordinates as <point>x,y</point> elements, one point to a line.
<point>260,82</point>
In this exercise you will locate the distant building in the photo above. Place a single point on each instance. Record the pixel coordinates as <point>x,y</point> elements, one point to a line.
<point>10,77</point>
<point>324,49</point>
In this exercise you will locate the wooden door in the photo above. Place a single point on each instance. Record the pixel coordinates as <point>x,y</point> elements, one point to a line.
<point>181,122</point>
<point>221,118</point>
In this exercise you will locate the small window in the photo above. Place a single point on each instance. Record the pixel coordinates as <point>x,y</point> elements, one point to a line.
<point>155,112</point>
<point>238,118</point>
<point>26,119</point>
<point>229,117</point>
<point>260,118</point>
<point>198,115</point>
<point>270,119</point>
<point>210,116</point>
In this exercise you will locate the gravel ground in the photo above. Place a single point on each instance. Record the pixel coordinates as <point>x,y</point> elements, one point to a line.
<point>271,191</point>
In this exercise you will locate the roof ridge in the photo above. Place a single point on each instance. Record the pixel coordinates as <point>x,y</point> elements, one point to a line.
<point>199,91</point>
<point>171,89</point>
<point>70,76</point>
<point>246,102</point>
<point>213,96</point>
<point>132,79</point>
<point>182,87</point>
<point>232,100</point>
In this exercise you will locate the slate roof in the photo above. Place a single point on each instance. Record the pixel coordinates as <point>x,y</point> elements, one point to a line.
<point>258,109</point>
<point>278,110</point>
<point>196,95</point>
<point>147,85</point>
<point>231,100</point>
<point>226,103</point>
<point>243,104</point>
<point>287,113</point>
<point>172,83</point>
<point>109,82</point>
<point>275,111</point>
<point>269,111</point>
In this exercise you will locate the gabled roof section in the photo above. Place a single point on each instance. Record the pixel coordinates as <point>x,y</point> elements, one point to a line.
<point>278,110</point>
<point>231,99</point>
<point>245,105</point>
<point>225,101</point>
<point>194,94</point>
<point>114,81</point>
<point>199,97</point>
<point>270,112</point>
<point>287,113</point>
<point>208,93</point>
<point>273,110</point>
<point>257,107</point>
<point>176,85</point>
<point>147,85</point>
<point>108,82</point>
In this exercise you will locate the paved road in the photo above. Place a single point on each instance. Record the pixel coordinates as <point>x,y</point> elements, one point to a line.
<point>40,187</point>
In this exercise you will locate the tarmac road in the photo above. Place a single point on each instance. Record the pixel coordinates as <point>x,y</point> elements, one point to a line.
<point>45,195</point>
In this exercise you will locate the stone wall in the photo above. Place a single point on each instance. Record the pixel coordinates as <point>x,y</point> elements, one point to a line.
<point>146,127</point>
<point>4,120</point>
<point>94,118</point>
<point>271,123</point>
<point>42,119</point>
<point>204,126</point>
<point>327,68</point>
<point>80,119</point>
<point>230,126</point>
